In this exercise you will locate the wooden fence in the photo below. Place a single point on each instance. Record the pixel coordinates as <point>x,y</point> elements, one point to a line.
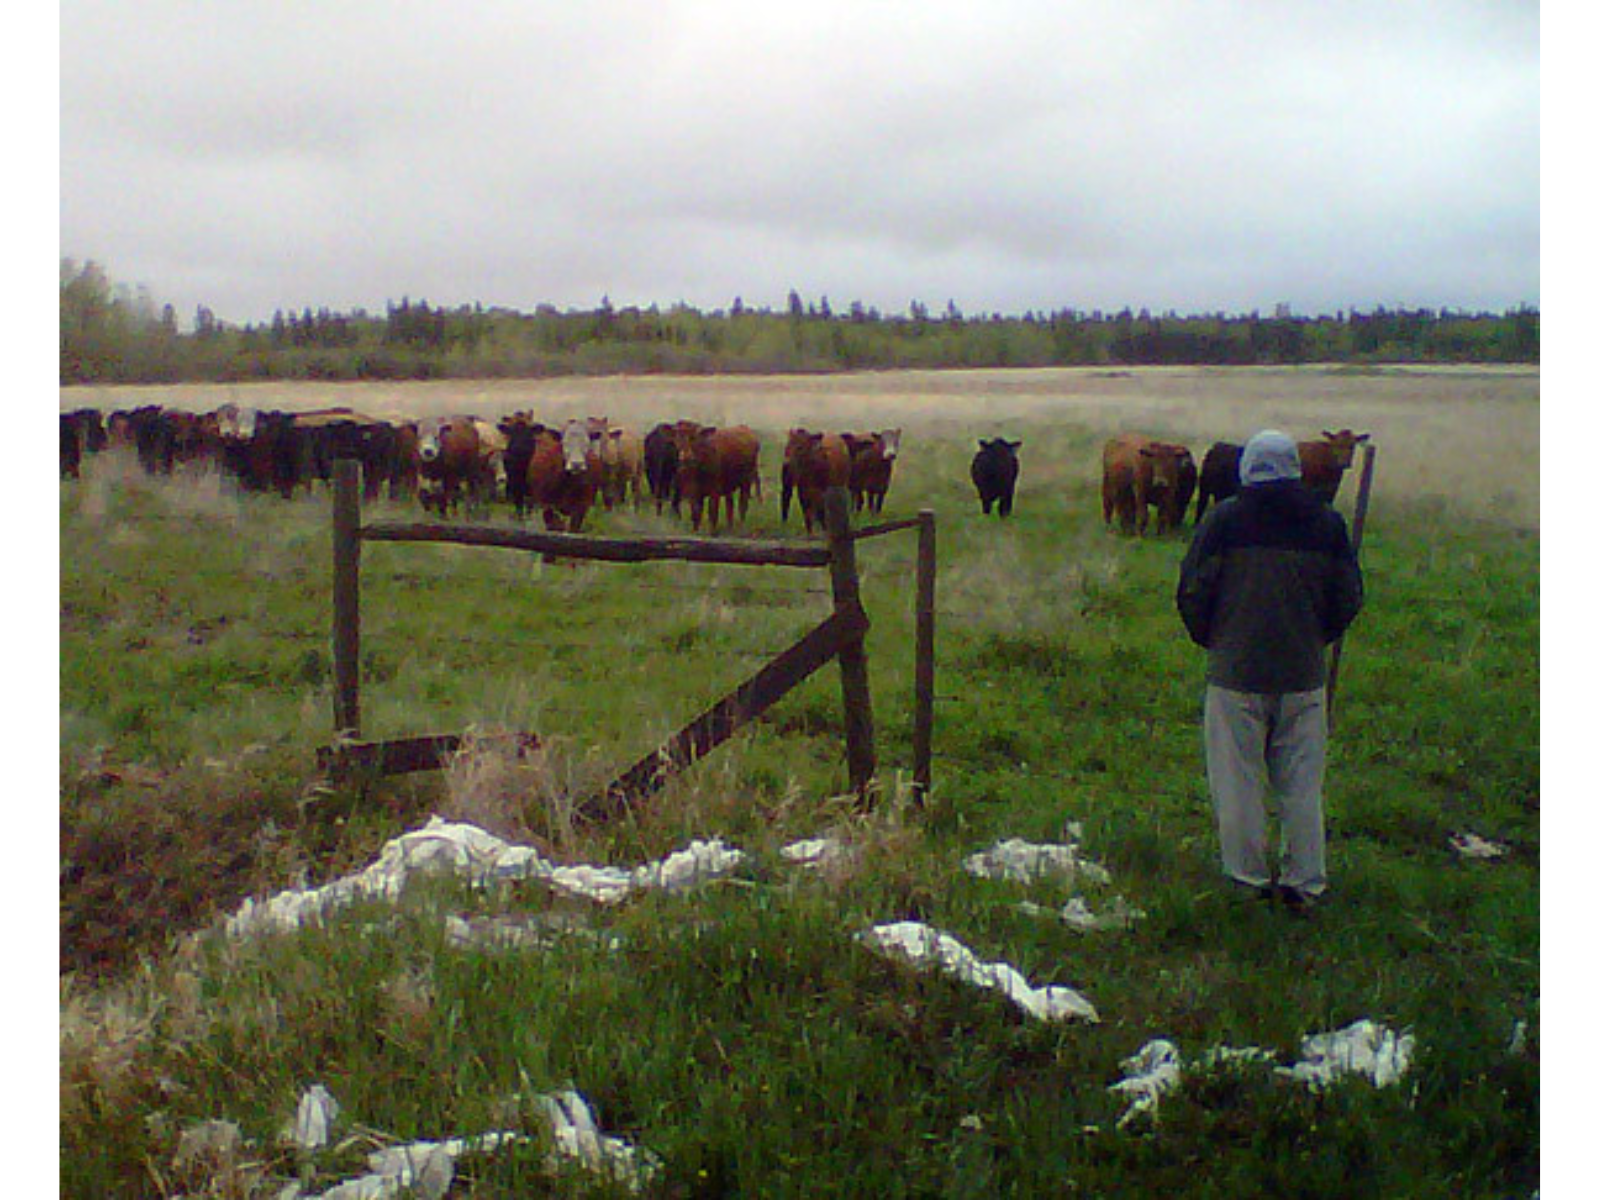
<point>841,636</point>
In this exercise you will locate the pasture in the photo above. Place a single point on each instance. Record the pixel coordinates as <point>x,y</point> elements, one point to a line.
<point>740,1031</point>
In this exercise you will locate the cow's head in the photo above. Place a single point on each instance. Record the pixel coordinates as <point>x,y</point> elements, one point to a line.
<point>576,438</point>
<point>888,441</point>
<point>1343,444</point>
<point>430,439</point>
<point>1167,462</point>
<point>692,441</point>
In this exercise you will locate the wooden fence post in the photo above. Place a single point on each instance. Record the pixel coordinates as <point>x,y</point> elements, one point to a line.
<point>922,717</point>
<point>346,598</point>
<point>859,751</point>
<point>1363,494</point>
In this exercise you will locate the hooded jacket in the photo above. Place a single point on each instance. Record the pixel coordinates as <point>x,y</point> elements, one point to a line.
<point>1269,581</point>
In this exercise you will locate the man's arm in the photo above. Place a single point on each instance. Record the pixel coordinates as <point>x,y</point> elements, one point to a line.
<point>1197,583</point>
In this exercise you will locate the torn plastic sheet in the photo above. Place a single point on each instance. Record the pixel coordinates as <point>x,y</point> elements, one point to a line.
<point>923,945</point>
<point>426,1169</point>
<point>1075,914</point>
<point>1364,1048</point>
<point>1023,862</point>
<point>1470,845</point>
<point>523,931</point>
<point>1156,1068</point>
<point>314,1118</point>
<point>815,852</point>
<point>467,850</point>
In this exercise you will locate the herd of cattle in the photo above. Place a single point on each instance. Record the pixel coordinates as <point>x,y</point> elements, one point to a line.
<point>447,463</point>
<point>562,471</point>
<point>1139,473</point>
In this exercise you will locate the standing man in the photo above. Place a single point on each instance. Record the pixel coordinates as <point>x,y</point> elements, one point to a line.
<point>1269,581</point>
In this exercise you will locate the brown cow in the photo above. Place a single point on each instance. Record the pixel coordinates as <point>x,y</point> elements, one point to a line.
<point>813,463</point>
<point>718,465</point>
<point>1323,463</point>
<point>450,454</point>
<point>621,462</point>
<point>562,474</point>
<point>1138,472</point>
<point>872,458</point>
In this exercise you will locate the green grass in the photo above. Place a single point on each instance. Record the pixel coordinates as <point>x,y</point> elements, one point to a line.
<point>740,1032</point>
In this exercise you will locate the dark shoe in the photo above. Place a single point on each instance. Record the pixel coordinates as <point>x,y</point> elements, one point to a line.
<point>1301,904</point>
<point>1243,892</point>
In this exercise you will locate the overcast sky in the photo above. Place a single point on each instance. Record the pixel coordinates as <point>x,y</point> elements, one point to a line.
<point>1007,155</point>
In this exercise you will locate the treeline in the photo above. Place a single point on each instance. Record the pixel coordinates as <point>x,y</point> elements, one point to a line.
<point>113,334</point>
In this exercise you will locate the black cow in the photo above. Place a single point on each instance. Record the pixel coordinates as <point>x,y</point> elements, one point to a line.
<point>522,436</point>
<point>71,446</point>
<point>994,473</point>
<point>661,467</point>
<point>1219,475</point>
<point>154,439</point>
<point>275,458</point>
<point>82,432</point>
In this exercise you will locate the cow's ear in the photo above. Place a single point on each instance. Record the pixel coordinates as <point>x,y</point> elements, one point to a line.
<point>1363,437</point>
<point>1015,445</point>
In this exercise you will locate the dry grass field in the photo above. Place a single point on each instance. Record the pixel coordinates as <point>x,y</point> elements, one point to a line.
<point>1465,436</point>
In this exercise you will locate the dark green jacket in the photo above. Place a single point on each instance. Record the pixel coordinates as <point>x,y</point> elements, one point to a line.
<point>1269,581</point>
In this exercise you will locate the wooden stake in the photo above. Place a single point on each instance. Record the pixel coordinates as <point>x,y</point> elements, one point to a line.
<point>346,598</point>
<point>859,751</point>
<point>922,717</point>
<point>1357,528</point>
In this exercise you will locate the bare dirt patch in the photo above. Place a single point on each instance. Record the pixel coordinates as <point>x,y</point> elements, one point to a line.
<point>1464,436</point>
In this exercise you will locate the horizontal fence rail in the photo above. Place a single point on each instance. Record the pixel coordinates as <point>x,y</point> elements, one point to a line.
<point>573,545</point>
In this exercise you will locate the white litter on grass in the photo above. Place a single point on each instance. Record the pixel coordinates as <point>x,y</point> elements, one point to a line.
<point>1158,1067</point>
<point>1155,1069</point>
<point>1233,1056</point>
<point>923,945</point>
<point>1470,845</point>
<point>314,1118</point>
<point>1075,914</point>
<point>814,852</point>
<point>208,1140</point>
<point>1364,1048</point>
<point>576,1138</point>
<point>467,850</point>
<point>1021,861</point>
<point>426,1169</point>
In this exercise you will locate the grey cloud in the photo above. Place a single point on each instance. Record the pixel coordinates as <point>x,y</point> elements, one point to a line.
<point>1010,156</point>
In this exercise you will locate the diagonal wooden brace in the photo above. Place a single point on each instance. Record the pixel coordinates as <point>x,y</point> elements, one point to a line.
<point>847,627</point>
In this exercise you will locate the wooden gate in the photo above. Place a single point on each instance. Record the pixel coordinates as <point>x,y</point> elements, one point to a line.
<point>841,636</point>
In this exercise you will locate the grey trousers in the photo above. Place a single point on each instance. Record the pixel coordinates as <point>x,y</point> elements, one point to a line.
<point>1260,743</point>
